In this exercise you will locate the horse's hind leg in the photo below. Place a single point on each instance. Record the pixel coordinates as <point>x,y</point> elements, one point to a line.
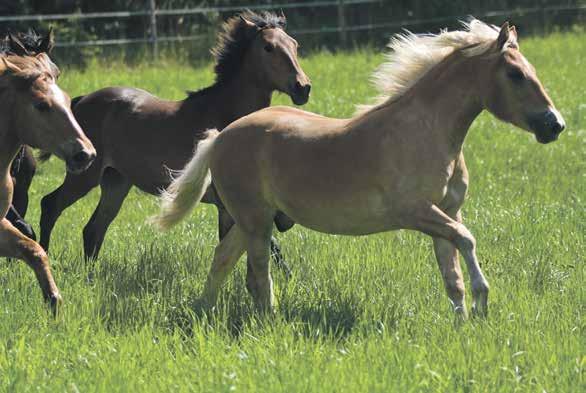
<point>114,189</point>
<point>74,187</point>
<point>14,244</point>
<point>225,222</point>
<point>258,250</point>
<point>226,254</point>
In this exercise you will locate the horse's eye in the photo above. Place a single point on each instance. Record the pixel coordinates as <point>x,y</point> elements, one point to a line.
<point>42,106</point>
<point>516,76</point>
<point>269,48</point>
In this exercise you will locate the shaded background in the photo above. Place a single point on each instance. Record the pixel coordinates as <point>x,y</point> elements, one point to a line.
<point>317,26</point>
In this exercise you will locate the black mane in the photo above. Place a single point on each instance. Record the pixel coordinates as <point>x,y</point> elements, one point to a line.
<point>33,42</point>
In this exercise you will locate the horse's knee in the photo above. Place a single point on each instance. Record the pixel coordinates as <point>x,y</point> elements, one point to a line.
<point>34,255</point>
<point>464,240</point>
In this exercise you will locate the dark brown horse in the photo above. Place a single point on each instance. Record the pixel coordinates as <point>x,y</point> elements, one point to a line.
<point>140,138</point>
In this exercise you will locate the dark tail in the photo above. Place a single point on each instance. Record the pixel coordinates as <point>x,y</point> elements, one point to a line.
<point>44,156</point>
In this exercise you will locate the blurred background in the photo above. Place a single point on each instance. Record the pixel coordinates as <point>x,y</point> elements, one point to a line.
<point>184,30</point>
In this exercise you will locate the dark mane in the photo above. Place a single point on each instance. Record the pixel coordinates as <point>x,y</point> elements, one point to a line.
<point>32,41</point>
<point>236,37</point>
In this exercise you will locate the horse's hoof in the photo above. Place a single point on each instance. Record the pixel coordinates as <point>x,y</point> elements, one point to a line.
<point>479,312</point>
<point>55,301</point>
<point>461,313</point>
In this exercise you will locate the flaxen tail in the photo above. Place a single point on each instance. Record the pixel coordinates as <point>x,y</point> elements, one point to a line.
<point>186,190</point>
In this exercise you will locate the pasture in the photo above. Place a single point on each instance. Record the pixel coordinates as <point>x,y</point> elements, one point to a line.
<point>358,314</point>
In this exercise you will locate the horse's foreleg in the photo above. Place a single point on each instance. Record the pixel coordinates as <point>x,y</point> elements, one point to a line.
<point>449,265</point>
<point>114,189</point>
<point>225,222</point>
<point>432,220</point>
<point>74,187</point>
<point>14,244</point>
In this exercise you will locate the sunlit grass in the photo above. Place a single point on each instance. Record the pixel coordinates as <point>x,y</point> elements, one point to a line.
<point>359,314</point>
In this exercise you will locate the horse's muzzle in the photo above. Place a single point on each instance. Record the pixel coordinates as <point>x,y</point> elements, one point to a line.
<point>300,93</point>
<point>547,125</point>
<point>80,161</point>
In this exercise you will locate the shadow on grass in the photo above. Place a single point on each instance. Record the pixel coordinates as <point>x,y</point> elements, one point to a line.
<point>161,288</point>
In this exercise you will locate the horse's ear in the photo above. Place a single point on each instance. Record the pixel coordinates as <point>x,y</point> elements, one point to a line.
<point>7,65</point>
<point>504,36</point>
<point>48,42</point>
<point>248,23</point>
<point>282,19</point>
<point>513,33</point>
<point>16,46</point>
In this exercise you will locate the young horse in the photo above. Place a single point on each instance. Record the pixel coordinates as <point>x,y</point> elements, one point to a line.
<point>24,165</point>
<point>398,164</point>
<point>140,137</point>
<point>35,112</point>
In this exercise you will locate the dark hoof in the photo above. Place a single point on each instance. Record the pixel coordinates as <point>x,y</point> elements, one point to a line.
<point>25,229</point>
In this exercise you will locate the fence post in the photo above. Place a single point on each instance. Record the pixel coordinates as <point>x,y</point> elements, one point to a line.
<point>153,22</point>
<point>544,17</point>
<point>342,23</point>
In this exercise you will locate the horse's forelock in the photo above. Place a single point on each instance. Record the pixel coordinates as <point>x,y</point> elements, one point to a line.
<point>236,36</point>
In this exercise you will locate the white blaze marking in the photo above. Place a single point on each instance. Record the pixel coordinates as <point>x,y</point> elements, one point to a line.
<point>60,99</point>
<point>558,116</point>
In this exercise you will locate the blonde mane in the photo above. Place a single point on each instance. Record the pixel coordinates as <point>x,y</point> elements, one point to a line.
<point>412,56</point>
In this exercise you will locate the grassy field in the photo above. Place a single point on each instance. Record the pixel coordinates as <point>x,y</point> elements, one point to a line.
<point>359,314</point>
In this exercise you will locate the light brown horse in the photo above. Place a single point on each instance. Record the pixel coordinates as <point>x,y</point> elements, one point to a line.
<point>35,112</point>
<point>139,137</point>
<point>396,165</point>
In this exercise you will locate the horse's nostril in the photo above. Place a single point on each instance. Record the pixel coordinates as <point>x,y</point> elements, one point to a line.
<point>558,128</point>
<point>81,157</point>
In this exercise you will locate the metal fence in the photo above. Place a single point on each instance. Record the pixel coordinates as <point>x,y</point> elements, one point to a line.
<point>338,6</point>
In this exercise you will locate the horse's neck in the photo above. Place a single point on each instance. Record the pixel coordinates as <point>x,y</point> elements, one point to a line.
<point>9,144</point>
<point>441,106</point>
<point>9,147</point>
<point>230,100</point>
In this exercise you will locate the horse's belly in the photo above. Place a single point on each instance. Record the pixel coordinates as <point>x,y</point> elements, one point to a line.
<point>361,216</point>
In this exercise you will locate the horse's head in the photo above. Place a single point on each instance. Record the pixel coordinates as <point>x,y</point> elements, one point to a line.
<point>515,94</point>
<point>40,111</point>
<point>259,45</point>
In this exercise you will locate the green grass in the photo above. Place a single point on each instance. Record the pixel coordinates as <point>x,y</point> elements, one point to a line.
<point>359,314</point>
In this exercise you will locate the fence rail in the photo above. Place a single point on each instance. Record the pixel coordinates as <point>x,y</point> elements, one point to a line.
<point>342,28</point>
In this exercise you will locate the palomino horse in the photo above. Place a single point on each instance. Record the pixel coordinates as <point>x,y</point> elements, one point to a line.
<point>35,112</point>
<point>397,164</point>
<point>139,137</point>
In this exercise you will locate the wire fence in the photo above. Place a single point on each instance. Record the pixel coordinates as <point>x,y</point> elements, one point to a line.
<point>342,28</point>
